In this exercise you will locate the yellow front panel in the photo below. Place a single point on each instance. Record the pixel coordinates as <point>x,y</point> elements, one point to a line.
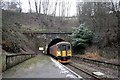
<point>70,53</point>
<point>63,53</point>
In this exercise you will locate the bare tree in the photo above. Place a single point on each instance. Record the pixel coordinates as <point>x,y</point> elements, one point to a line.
<point>115,8</point>
<point>36,6</point>
<point>45,6</point>
<point>68,8</point>
<point>20,7</point>
<point>63,9</point>
<point>98,16</point>
<point>39,6</point>
<point>1,4</point>
<point>54,12</point>
<point>59,7</point>
<point>30,7</point>
<point>8,4</point>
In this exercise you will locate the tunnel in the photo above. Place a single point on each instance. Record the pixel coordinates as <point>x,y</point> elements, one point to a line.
<point>54,41</point>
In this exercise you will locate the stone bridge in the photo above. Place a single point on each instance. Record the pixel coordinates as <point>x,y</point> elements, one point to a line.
<point>46,39</point>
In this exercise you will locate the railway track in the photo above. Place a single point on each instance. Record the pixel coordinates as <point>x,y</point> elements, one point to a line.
<point>79,70</point>
<point>97,62</point>
<point>72,72</point>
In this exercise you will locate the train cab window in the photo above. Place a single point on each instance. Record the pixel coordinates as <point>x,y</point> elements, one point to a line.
<point>68,47</point>
<point>63,47</point>
<point>59,47</point>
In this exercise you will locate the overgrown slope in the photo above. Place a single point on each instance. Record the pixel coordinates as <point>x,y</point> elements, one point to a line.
<point>15,23</point>
<point>13,40</point>
<point>40,22</point>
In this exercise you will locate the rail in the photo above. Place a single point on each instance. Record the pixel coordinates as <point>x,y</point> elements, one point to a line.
<point>84,71</point>
<point>12,60</point>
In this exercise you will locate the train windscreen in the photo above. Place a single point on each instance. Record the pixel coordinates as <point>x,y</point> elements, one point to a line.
<point>64,47</point>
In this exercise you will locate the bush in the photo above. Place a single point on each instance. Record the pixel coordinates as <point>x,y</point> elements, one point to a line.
<point>81,38</point>
<point>12,47</point>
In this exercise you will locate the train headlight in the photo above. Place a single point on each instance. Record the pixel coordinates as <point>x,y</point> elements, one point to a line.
<point>58,52</point>
<point>69,52</point>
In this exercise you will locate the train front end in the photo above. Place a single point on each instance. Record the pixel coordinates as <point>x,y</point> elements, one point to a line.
<point>64,52</point>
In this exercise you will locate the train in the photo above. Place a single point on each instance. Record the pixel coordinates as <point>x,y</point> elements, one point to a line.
<point>61,51</point>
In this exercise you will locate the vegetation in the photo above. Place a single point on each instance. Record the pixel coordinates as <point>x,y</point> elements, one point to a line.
<point>103,19</point>
<point>81,38</point>
<point>12,39</point>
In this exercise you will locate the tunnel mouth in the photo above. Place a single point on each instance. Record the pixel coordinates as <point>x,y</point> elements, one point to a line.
<point>54,41</point>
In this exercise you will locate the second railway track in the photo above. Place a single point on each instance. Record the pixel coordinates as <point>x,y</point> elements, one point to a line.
<point>97,62</point>
<point>87,75</point>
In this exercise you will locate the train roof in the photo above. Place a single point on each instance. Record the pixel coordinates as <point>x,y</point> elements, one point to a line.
<point>63,42</point>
